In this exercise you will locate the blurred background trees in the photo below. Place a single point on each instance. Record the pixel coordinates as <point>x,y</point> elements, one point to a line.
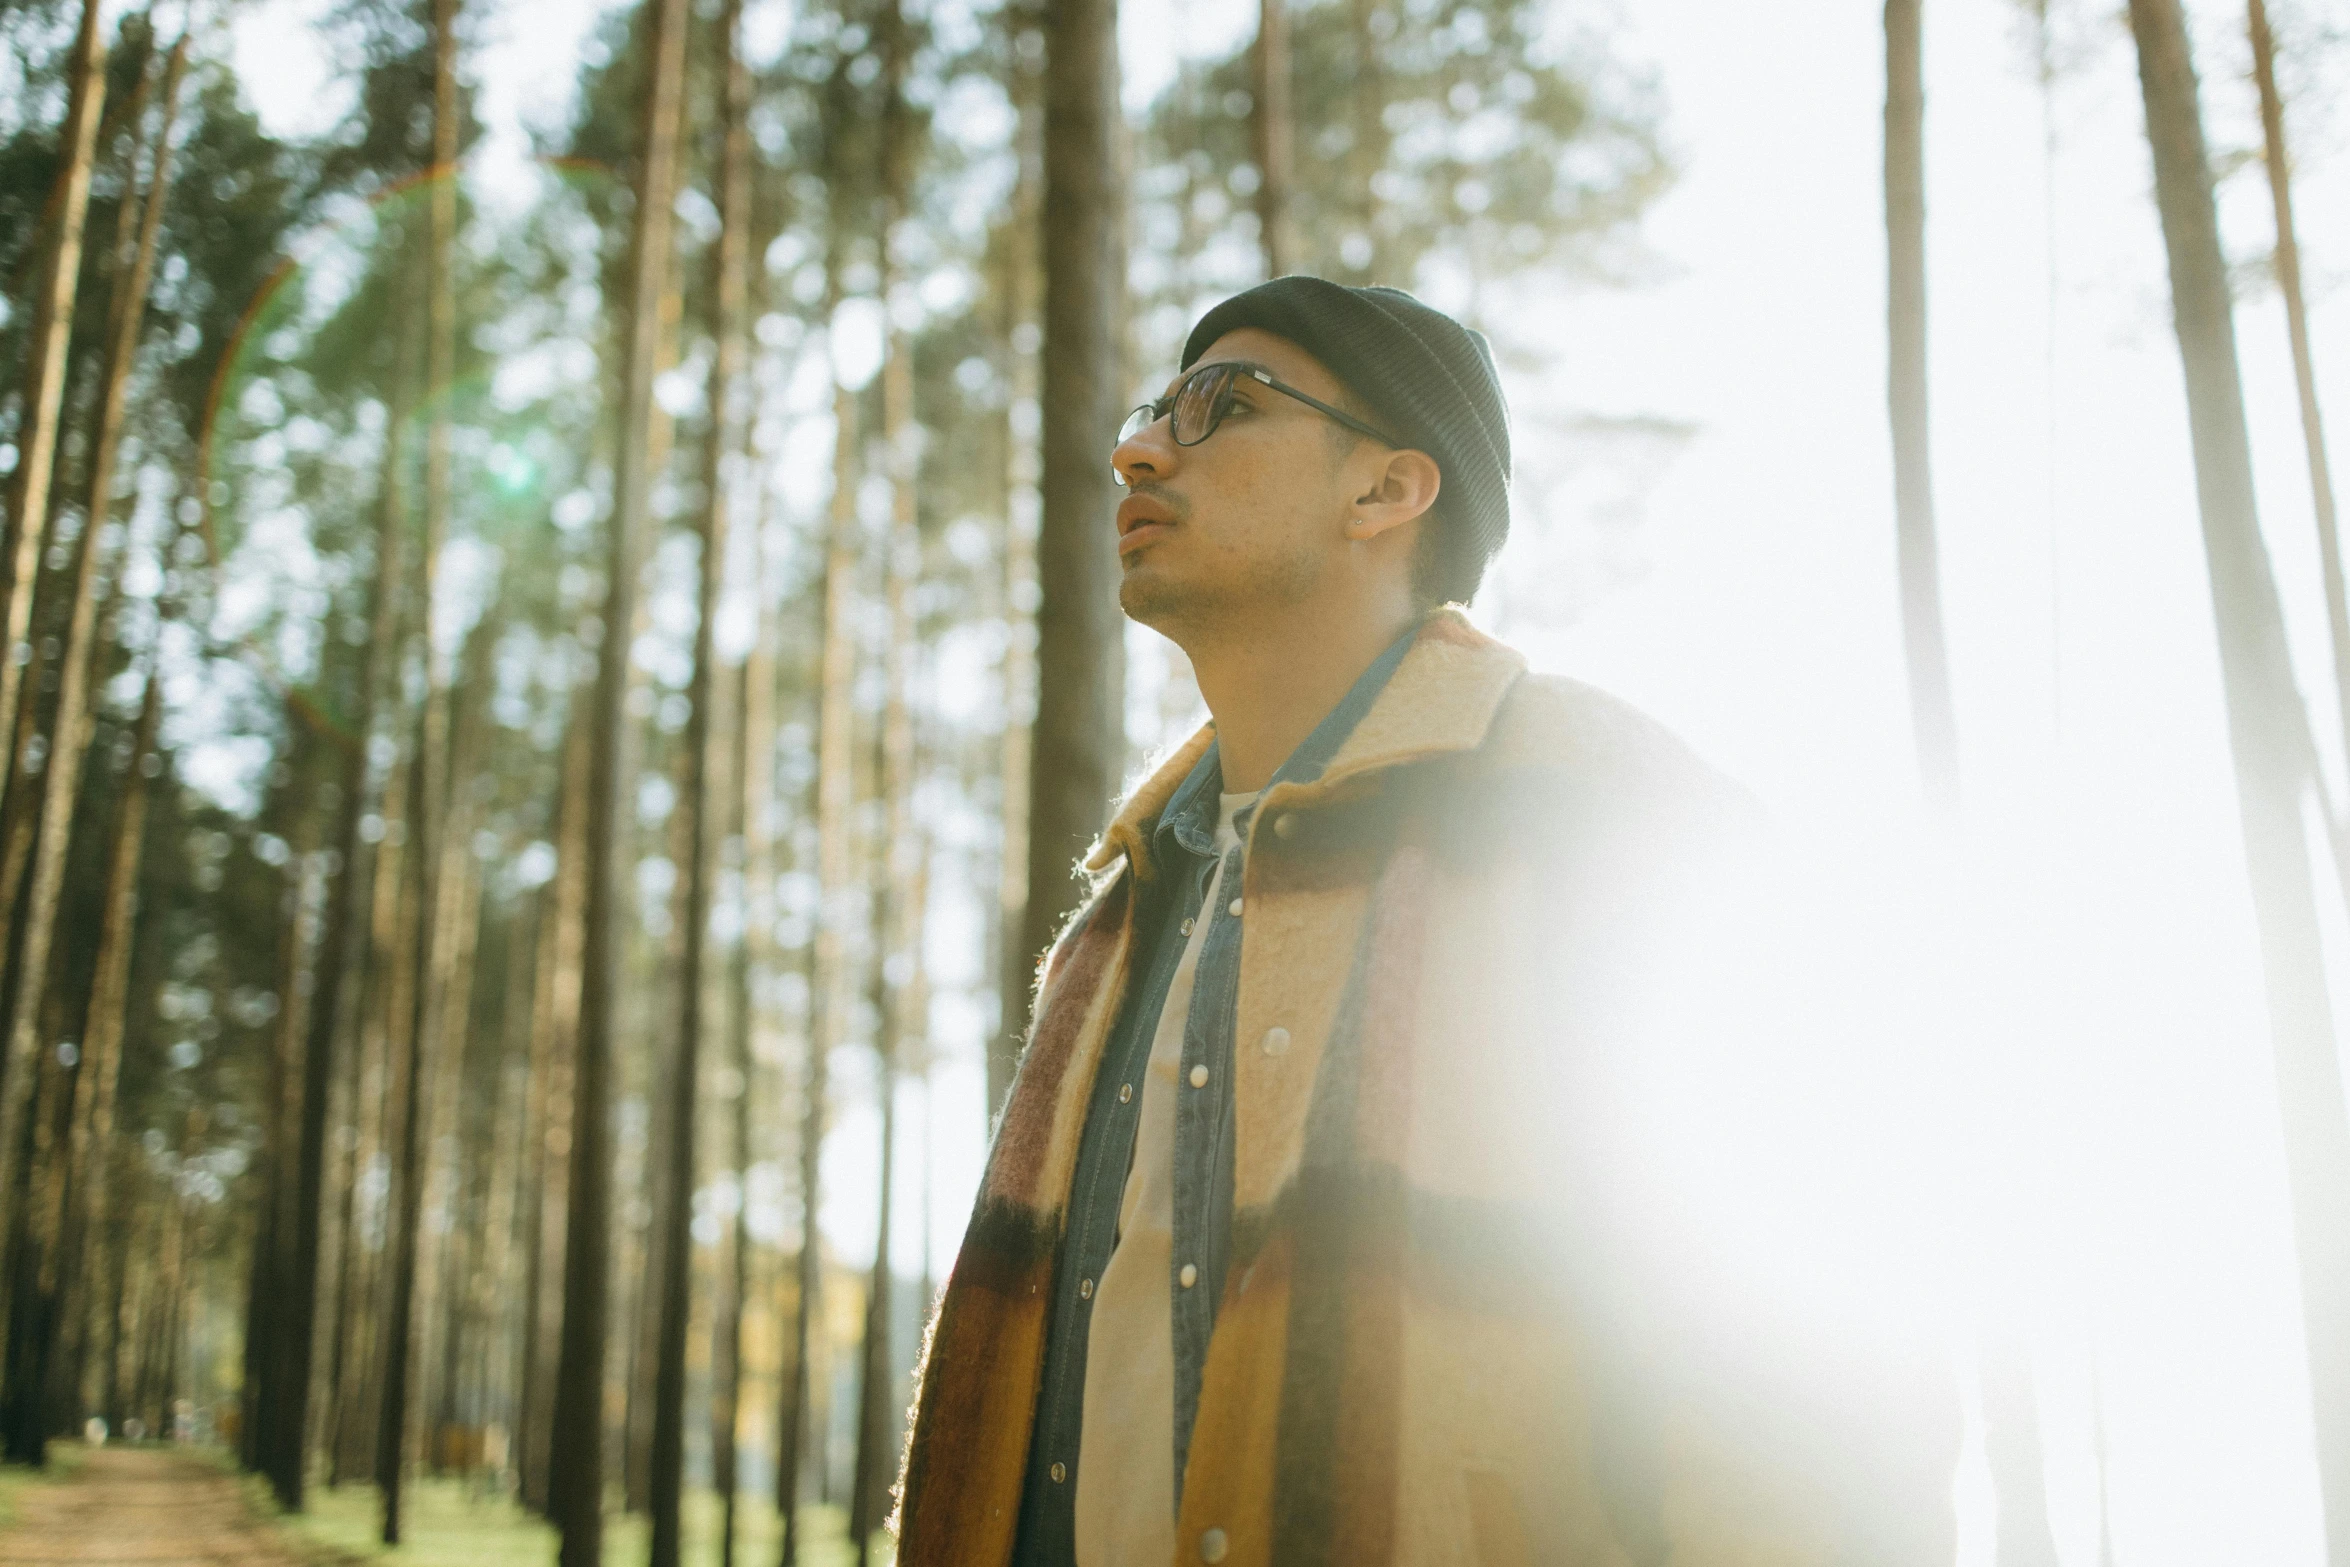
<point>552,706</point>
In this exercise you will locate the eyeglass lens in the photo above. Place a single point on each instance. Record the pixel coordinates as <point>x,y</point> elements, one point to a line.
<point>1198,407</point>
<point>1199,404</point>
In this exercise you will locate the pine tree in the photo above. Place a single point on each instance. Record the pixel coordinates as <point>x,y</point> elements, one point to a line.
<point>28,501</point>
<point>1079,749</point>
<point>1275,138</point>
<point>2288,270</point>
<point>576,1463</point>
<point>2269,736</point>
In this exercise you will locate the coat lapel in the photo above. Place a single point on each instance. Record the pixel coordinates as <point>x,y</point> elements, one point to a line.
<point>967,1445</point>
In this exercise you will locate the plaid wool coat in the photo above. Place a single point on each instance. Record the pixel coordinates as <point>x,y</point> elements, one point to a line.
<point>1458,1324</point>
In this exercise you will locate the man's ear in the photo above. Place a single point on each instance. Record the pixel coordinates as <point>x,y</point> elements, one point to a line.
<point>1400,489</point>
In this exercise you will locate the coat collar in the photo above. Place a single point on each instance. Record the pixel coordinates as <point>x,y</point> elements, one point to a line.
<point>1441,699</point>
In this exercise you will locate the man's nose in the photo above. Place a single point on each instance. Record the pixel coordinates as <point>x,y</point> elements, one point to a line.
<point>1149,453</point>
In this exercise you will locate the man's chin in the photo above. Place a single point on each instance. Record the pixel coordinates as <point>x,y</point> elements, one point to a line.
<point>1147,597</point>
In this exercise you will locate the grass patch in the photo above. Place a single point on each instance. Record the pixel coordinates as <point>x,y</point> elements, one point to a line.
<point>455,1523</point>
<point>65,1462</point>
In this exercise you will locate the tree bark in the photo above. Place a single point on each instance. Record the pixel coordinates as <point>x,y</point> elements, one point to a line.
<point>1366,154</point>
<point>576,1481</point>
<point>892,940</point>
<point>1079,747</point>
<point>753,782</point>
<point>51,813</point>
<point>427,791</point>
<point>729,270</point>
<point>392,915</point>
<point>2268,733</point>
<point>449,1174</point>
<point>272,1223</point>
<point>102,1027</point>
<point>343,914</point>
<point>554,1019</point>
<point>1023,332</point>
<point>36,442</point>
<point>2288,269</point>
<point>1931,716</point>
<point>345,1404</point>
<point>1273,128</point>
<point>828,998</point>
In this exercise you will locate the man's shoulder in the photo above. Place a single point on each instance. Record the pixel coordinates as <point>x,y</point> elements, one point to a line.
<point>1572,736</point>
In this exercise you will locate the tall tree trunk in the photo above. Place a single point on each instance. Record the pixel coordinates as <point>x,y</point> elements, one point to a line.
<point>828,998</point>
<point>753,782</point>
<point>577,1471</point>
<point>21,812</point>
<point>383,1088</point>
<point>1015,961</point>
<point>27,748</point>
<point>647,1236</point>
<point>554,1024</point>
<point>2268,731</point>
<point>729,274</point>
<point>354,1380</point>
<point>30,1253</point>
<point>1079,748</point>
<point>726,1328</point>
<point>272,1225</point>
<point>2011,1413</point>
<point>105,1008</point>
<point>2288,269</point>
<point>70,730</point>
<point>440,1306</point>
<point>159,1377</point>
<point>427,789</point>
<point>1931,715</point>
<point>44,399</point>
<point>118,1270</point>
<point>1366,153</point>
<point>26,1240</point>
<point>1272,126</point>
<point>892,941</point>
<point>498,1371</point>
<point>326,1012</point>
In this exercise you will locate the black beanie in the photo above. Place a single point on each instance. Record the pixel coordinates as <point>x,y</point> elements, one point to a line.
<point>1425,377</point>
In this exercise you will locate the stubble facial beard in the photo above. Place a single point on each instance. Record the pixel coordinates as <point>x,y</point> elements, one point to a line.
<point>1242,596</point>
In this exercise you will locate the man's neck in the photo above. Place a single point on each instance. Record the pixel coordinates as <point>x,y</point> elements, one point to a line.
<point>1268,690</point>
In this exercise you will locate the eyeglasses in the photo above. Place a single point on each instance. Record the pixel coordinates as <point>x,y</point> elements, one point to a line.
<point>1202,399</point>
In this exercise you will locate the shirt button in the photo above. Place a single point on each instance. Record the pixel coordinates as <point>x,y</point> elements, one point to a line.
<point>1060,1473</point>
<point>1188,1277</point>
<point>1125,1092</point>
<point>1276,1041</point>
<point>1233,908</point>
<point>1199,1077</point>
<point>1085,1289</point>
<point>1213,1545</point>
<point>1283,826</point>
<point>1187,927</point>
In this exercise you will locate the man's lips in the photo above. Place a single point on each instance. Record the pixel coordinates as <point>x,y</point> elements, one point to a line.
<point>1140,520</point>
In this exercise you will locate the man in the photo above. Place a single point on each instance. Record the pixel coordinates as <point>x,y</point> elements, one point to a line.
<point>1323,1222</point>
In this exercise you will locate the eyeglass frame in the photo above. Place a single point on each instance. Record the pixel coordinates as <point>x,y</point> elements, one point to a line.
<point>1164,407</point>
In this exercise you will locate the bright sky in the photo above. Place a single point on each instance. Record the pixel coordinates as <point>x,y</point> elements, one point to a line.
<point>2098,891</point>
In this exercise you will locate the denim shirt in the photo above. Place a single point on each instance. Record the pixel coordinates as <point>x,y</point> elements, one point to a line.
<point>1183,849</point>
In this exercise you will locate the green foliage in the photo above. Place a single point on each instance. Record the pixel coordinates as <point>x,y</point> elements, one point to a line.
<point>1432,137</point>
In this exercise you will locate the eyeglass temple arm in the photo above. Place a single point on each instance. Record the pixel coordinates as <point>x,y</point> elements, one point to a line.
<point>1311,401</point>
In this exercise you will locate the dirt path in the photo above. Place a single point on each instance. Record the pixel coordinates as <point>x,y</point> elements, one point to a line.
<point>151,1506</point>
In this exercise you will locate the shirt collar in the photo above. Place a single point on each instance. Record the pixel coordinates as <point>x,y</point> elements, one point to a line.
<point>1190,814</point>
<point>1438,696</point>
